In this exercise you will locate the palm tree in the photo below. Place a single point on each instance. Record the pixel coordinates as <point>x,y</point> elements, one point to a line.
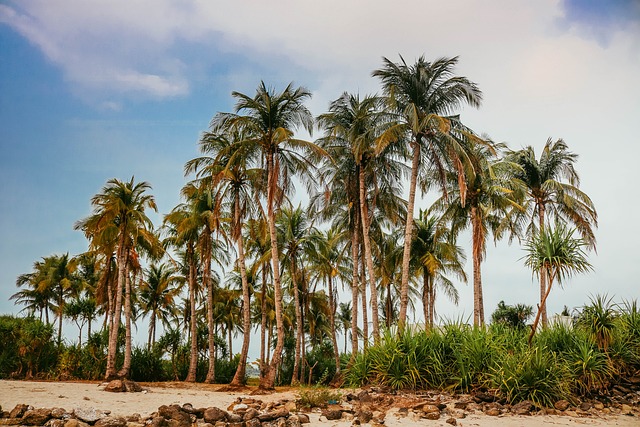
<point>81,310</point>
<point>183,229</point>
<point>36,298</point>
<point>435,256</point>
<point>354,126</point>
<point>205,203</point>
<point>489,204</point>
<point>156,297</point>
<point>424,96</point>
<point>226,167</point>
<point>557,254</point>
<point>344,320</point>
<point>267,122</point>
<point>549,195</point>
<point>119,215</point>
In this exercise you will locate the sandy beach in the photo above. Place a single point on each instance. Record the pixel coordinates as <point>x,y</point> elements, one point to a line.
<point>71,395</point>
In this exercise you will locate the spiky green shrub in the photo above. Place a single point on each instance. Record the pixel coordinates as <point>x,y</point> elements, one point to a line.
<point>590,369</point>
<point>318,397</point>
<point>358,373</point>
<point>599,318</point>
<point>534,375</point>
<point>147,364</point>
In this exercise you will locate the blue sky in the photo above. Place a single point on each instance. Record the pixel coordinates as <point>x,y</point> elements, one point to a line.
<point>95,90</point>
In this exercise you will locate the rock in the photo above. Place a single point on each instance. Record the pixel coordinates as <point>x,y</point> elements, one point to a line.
<point>293,421</point>
<point>432,415</point>
<point>428,409</point>
<point>55,422</point>
<point>213,415</point>
<point>364,416</point>
<point>290,406</point>
<point>250,414</point>
<point>452,421</point>
<point>10,421</point>
<point>561,405</point>
<point>60,413</point>
<point>585,406</point>
<point>73,422</point>
<point>485,397</point>
<point>273,415</point>
<point>304,419</point>
<point>626,410</point>
<point>134,424</point>
<point>364,396</point>
<point>18,411</point>
<point>253,422</point>
<point>175,413</point>
<point>36,417</point>
<point>131,386</point>
<point>115,386</point>
<point>158,422</point>
<point>332,414</point>
<point>523,408</point>
<point>238,407</point>
<point>494,412</point>
<point>89,415</point>
<point>220,424</point>
<point>111,422</point>
<point>234,418</point>
<point>133,418</point>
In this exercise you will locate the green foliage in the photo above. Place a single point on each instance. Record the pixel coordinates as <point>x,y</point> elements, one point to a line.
<point>318,397</point>
<point>28,349</point>
<point>515,316</point>
<point>148,364</point>
<point>534,375</point>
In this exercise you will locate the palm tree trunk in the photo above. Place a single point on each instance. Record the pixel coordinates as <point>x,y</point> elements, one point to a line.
<point>365,311</point>
<point>408,233</point>
<point>295,379</point>
<point>206,278</point>
<point>268,381</point>
<point>478,302</point>
<point>354,293</point>
<point>238,378</point>
<point>543,276</point>
<point>426,294</point>
<point>126,365</point>
<point>115,323</point>
<point>534,327</point>
<point>263,323</point>
<point>332,325</point>
<point>193,326</point>
<point>364,214</point>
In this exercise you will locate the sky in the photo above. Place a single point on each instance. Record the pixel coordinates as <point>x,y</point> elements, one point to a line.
<point>94,90</point>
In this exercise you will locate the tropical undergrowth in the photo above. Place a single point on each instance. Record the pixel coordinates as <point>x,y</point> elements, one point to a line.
<point>583,359</point>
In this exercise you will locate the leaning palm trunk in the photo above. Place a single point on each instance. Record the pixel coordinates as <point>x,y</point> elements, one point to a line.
<point>369,259</point>
<point>115,323</point>
<point>193,326</point>
<point>238,378</point>
<point>408,233</point>
<point>478,301</point>
<point>534,327</point>
<point>126,365</point>
<point>268,381</point>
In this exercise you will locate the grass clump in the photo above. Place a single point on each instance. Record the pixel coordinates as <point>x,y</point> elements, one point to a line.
<point>318,397</point>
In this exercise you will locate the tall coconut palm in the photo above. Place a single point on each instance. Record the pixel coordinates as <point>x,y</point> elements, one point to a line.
<point>119,215</point>
<point>182,227</point>
<point>36,298</point>
<point>553,191</point>
<point>267,121</point>
<point>205,203</point>
<point>557,254</point>
<point>434,257</point>
<point>490,203</point>
<point>226,165</point>
<point>157,293</point>
<point>424,96</point>
<point>356,124</point>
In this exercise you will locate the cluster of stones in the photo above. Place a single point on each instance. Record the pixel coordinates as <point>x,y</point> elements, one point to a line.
<point>244,412</point>
<point>371,406</point>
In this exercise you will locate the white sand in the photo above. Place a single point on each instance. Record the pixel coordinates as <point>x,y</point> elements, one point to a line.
<point>70,395</point>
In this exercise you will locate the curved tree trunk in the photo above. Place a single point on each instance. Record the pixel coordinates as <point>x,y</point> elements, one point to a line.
<point>193,326</point>
<point>534,327</point>
<point>408,233</point>
<point>365,313</point>
<point>269,380</point>
<point>364,214</point>
<point>238,378</point>
<point>426,301</point>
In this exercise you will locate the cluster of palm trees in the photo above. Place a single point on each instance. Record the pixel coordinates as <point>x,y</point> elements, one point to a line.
<point>358,231</point>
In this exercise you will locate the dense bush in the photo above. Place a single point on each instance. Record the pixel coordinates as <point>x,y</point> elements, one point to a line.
<point>28,349</point>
